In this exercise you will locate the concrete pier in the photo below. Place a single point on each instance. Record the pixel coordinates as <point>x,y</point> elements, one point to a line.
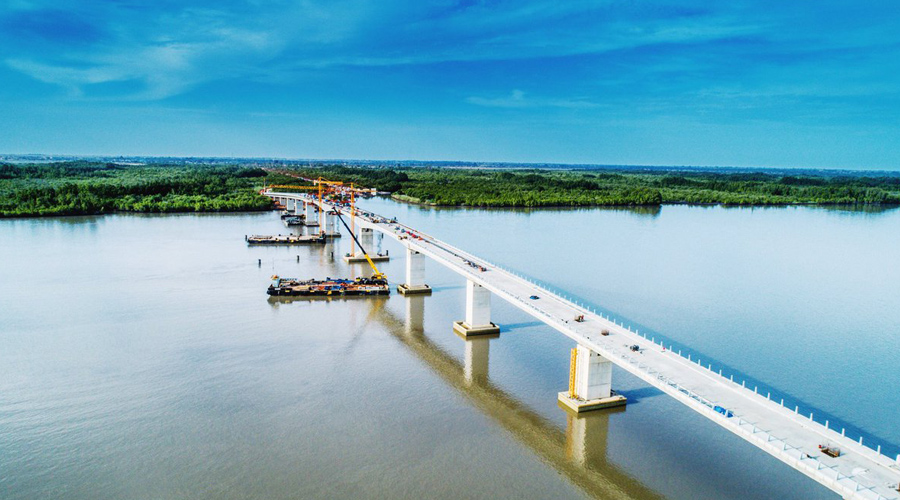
<point>415,275</point>
<point>311,213</point>
<point>590,383</point>
<point>331,227</point>
<point>360,258</point>
<point>478,312</point>
<point>365,236</point>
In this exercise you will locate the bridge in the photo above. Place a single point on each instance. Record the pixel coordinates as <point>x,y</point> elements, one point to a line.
<point>857,472</point>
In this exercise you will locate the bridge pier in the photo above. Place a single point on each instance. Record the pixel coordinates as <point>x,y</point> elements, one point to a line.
<point>478,312</point>
<point>297,205</point>
<point>311,217</point>
<point>415,274</point>
<point>330,228</point>
<point>366,237</point>
<point>590,383</point>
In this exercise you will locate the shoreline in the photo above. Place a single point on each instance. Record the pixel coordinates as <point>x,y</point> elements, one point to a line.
<point>415,201</point>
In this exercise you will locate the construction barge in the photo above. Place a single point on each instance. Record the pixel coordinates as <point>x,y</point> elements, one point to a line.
<point>330,287</point>
<point>288,214</point>
<point>282,287</point>
<point>286,239</point>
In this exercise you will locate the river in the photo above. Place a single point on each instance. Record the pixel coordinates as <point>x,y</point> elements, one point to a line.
<point>141,358</point>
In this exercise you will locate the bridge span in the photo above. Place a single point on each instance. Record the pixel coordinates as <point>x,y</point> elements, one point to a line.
<point>859,472</point>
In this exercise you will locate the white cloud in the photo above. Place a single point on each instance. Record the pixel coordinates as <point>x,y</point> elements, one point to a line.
<point>518,99</point>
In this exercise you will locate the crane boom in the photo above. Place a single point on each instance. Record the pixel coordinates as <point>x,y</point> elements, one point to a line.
<point>377,274</point>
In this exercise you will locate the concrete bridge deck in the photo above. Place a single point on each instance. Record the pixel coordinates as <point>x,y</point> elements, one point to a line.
<point>860,472</point>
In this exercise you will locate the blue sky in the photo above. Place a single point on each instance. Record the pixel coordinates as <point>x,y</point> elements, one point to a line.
<point>806,84</point>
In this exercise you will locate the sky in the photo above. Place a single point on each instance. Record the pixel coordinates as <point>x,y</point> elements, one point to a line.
<point>740,83</point>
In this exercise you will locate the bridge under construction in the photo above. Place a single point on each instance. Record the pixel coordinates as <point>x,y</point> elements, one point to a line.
<point>824,453</point>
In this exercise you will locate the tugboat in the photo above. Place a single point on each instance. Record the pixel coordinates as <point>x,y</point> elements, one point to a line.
<point>292,221</point>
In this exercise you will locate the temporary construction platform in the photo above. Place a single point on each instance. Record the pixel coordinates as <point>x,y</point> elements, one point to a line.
<point>285,239</point>
<point>327,287</point>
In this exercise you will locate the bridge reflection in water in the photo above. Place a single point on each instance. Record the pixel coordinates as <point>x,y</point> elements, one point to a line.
<point>579,452</point>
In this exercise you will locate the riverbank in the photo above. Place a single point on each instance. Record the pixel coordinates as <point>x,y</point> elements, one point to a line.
<point>91,188</point>
<point>543,188</point>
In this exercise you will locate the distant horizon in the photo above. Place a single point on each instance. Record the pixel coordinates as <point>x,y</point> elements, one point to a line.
<point>447,163</point>
<point>744,84</point>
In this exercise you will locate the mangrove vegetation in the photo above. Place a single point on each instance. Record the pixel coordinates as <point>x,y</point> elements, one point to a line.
<point>82,187</point>
<point>607,187</point>
<point>76,188</point>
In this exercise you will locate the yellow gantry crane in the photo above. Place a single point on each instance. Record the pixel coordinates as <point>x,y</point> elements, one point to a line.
<point>311,188</point>
<point>330,185</point>
<point>322,185</point>
<point>291,186</point>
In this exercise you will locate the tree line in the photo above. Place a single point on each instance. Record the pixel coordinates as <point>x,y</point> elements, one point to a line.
<point>79,188</point>
<point>82,187</point>
<point>544,188</point>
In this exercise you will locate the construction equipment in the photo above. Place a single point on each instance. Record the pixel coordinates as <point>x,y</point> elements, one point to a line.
<point>377,274</point>
<point>291,186</point>
<point>352,218</point>
<point>321,187</point>
<point>286,239</point>
<point>327,182</point>
<point>329,287</point>
<point>573,361</point>
<point>375,285</point>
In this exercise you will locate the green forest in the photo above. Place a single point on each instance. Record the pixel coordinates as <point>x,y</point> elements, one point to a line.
<point>608,187</point>
<point>81,187</point>
<point>78,188</point>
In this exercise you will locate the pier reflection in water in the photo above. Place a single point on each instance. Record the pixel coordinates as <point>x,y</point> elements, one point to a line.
<point>579,452</point>
<point>478,351</point>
